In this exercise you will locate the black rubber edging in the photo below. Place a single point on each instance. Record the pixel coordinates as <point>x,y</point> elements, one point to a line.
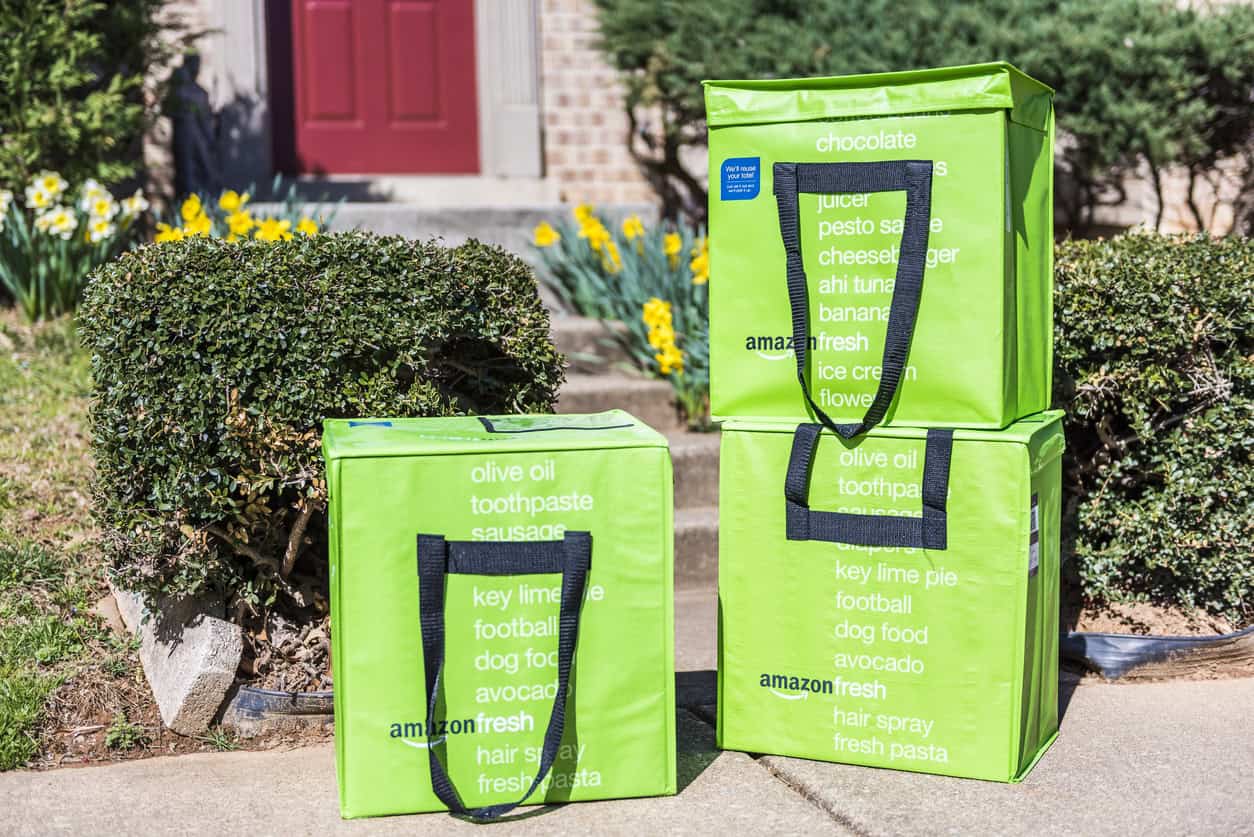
<point>1114,655</point>
<point>254,703</point>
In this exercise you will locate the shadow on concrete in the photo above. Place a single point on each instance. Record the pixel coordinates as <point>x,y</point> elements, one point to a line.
<point>695,694</point>
<point>1068,681</point>
<point>695,748</point>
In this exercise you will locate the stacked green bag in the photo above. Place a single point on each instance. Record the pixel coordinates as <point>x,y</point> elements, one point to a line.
<point>854,629</point>
<point>880,343</point>
<point>502,611</point>
<point>816,187</point>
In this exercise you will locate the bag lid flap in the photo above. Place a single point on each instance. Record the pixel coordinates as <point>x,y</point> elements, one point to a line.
<point>970,87</point>
<point>370,437</point>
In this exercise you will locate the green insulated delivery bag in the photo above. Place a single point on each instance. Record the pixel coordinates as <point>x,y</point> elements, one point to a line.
<point>878,236</point>
<point>891,601</point>
<point>501,611</point>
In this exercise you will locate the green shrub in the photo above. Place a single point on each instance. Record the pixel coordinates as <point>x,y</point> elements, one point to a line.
<point>215,362</point>
<point>653,281</point>
<point>71,86</point>
<point>1139,82</point>
<point>1154,348</point>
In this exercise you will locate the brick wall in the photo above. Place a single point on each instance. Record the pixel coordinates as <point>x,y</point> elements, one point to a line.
<point>585,150</point>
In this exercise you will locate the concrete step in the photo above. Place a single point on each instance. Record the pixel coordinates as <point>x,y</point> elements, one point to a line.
<point>649,400</point>
<point>696,548</point>
<point>695,460</point>
<point>589,345</point>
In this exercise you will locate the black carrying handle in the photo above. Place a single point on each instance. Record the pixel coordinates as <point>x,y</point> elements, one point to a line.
<point>927,532</point>
<point>915,178</point>
<point>572,557</point>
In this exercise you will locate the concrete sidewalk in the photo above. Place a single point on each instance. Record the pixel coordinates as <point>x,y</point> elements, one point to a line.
<point>1168,758</point>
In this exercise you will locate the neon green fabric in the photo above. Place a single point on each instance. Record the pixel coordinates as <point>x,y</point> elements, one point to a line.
<point>981,353</point>
<point>937,660</point>
<point>529,478</point>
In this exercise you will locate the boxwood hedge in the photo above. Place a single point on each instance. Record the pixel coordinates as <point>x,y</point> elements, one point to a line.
<point>215,362</point>
<point>1155,366</point>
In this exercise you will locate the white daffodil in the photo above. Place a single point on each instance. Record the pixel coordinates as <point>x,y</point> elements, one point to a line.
<point>92,188</point>
<point>6,200</point>
<point>57,221</point>
<point>102,207</point>
<point>135,205</point>
<point>99,229</point>
<point>51,182</point>
<point>39,198</point>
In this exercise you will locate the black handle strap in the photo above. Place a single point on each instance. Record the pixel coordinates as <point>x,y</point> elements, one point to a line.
<point>572,557</point>
<point>926,532</point>
<point>915,178</point>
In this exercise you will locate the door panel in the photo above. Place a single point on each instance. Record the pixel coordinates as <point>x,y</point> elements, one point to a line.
<point>384,86</point>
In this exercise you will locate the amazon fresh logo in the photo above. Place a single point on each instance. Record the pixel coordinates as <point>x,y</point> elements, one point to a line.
<point>792,687</point>
<point>417,734</point>
<point>795,688</point>
<point>780,346</point>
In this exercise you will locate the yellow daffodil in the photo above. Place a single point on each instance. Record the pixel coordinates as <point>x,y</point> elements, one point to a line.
<point>672,243</point>
<point>233,201</point>
<point>167,233</point>
<point>584,213</point>
<point>272,229</point>
<point>669,360</point>
<point>633,227</point>
<point>545,236</point>
<point>657,316</point>
<point>98,229</point>
<point>191,208</point>
<point>657,311</point>
<point>135,205</point>
<point>200,225</point>
<point>239,223</point>
<point>306,226</point>
<point>595,233</point>
<point>700,264</point>
<point>610,259</point>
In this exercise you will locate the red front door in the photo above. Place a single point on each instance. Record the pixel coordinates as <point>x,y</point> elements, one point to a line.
<point>384,86</point>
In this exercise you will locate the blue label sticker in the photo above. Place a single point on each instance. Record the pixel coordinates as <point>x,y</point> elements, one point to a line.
<point>741,178</point>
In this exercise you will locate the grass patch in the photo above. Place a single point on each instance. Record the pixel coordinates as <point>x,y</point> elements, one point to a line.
<point>22,697</point>
<point>124,735</point>
<point>221,740</point>
<point>50,572</point>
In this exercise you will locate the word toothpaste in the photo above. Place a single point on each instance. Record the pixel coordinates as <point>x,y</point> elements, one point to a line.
<point>519,503</point>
